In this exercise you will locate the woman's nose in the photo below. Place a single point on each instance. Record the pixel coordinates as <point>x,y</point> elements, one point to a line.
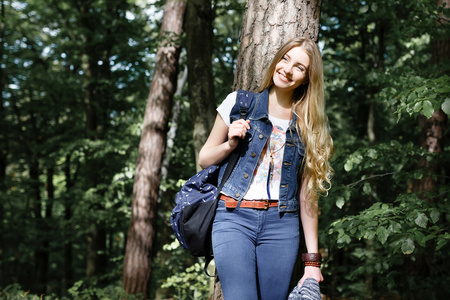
<point>288,69</point>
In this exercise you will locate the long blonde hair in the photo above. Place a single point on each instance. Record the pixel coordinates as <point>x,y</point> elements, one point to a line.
<point>312,122</point>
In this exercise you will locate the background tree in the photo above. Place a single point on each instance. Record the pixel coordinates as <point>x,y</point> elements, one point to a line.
<point>141,233</point>
<point>199,47</point>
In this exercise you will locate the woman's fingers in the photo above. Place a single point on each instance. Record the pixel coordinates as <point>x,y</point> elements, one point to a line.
<point>238,129</point>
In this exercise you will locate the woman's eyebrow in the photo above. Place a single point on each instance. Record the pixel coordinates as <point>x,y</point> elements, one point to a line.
<point>297,62</point>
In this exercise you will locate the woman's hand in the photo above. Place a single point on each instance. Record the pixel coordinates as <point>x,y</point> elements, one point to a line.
<point>222,140</point>
<point>237,130</point>
<point>311,272</point>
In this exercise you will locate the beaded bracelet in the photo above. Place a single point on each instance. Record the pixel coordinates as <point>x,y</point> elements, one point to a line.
<point>313,264</point>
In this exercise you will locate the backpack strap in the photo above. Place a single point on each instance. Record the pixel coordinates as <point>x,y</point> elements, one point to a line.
<point>244,99</point>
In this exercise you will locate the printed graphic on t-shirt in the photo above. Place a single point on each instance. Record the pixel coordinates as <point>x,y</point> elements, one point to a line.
<point>276,143</point>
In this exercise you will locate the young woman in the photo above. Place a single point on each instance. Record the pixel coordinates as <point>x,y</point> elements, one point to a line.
<point>282,168</point>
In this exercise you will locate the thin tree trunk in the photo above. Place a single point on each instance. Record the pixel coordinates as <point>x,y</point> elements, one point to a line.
<point>96,237</point>
<point>199,17</point>
<point>141,233</point>
<point>267,25</point>
<point>3,134</point>
<point>171,134</point>
<point>41,265</point>
<point>68,253</point>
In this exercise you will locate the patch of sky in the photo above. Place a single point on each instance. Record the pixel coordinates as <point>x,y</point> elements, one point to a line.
<point>130,16</point>
<point>51,32</point>
<point>132,42</point>
<point>17,5</point>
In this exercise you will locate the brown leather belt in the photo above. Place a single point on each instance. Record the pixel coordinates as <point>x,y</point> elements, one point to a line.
<point>256,204</point>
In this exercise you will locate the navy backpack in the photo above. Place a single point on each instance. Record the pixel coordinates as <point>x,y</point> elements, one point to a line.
<point>196,202</point>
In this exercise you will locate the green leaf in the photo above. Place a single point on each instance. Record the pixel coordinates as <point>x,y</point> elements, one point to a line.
<point>363,9</point>
<point>420,238</point>
<point>345,239</point>
<point>435,215</point>
<point>408,246</point>
<point>340,202</point>
<point>418,175</point>
<point>382,234</point>
<point>348,166</point>
<point>372,153</point>
<point>394,226</point>
<point>441,243</point>
<point>417,106</point>
<point>428,109</point>
<point>446,106</point>
<point>421,220</point>
<point>367,188</point>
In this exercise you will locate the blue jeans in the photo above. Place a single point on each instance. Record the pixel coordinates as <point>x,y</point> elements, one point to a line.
<point>255,252</point>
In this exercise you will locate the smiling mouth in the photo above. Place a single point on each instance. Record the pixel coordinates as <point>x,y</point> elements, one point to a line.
<point>283,77</point>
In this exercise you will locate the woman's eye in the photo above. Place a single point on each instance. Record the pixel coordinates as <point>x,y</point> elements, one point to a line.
<point>284,58</point>
<point>300,68</point>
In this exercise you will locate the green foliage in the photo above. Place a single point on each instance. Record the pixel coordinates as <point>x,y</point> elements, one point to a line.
<point>77,291</point>
<point>111,292</point>
<point>192,283</point>
<point>383,237</point>
<point>410,221</point>
<point>418,95</point>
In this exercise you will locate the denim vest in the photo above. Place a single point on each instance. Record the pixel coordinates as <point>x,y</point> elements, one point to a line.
<point>251,148</point>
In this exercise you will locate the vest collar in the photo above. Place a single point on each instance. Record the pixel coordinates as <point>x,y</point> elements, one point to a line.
<point>261,110</point>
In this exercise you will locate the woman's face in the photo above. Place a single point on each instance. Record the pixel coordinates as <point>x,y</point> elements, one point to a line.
<point>292,70</point>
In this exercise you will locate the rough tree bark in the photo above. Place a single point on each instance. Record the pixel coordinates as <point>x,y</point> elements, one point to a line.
<point>141,233</point>
<point>199,38</point>
<point>267,24</point>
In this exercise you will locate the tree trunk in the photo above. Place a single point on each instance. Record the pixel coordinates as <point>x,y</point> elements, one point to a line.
<point>40,254</point>
<point>3,134</point>
<point>265,27</point>
<point>199,38</point>
<point>96,238</point>
<point>433,129</point>
<point>171,134</point>
<point>141,233</point>
<point>68,253</point>
<point>431,138</point>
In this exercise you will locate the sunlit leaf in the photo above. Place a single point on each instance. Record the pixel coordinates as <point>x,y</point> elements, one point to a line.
<point>421,220</point>
<point>408,246</point>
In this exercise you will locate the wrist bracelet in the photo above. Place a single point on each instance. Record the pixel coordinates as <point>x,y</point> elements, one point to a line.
<point>313,264</point>
<point>311,257</point>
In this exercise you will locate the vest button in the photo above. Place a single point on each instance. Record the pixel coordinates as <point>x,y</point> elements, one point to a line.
<point>253,154</point>
<point>237,195</point>
<point>261,136</point>
<point>245,176</point>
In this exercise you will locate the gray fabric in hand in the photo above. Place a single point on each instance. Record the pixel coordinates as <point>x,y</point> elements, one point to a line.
<point>310,290</point>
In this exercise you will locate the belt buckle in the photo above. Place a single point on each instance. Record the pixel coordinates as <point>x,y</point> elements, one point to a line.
<point>266,204</point>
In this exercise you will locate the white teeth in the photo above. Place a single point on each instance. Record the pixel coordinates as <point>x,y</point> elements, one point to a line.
<point>283,76</point>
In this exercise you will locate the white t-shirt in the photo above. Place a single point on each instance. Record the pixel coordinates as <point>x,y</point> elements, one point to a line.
<point>258,186</point>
